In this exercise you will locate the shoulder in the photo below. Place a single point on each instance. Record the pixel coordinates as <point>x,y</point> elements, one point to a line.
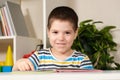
<point>80,55</point>
<point>77,53</point>
<point>42,51</point>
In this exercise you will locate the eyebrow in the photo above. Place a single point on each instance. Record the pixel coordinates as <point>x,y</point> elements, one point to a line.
<point>63,31</point>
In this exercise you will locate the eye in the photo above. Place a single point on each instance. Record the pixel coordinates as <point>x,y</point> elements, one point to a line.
<point>55,32</point>
<point>67,32</point>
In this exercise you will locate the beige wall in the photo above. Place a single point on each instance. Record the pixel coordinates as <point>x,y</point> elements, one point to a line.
<point>32,10</point>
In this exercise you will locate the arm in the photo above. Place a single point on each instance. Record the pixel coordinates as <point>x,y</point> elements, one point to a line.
<point>23,65</point>
<point>86,63</point>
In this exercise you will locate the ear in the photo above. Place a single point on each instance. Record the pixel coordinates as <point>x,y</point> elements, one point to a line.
<point>76,33</point>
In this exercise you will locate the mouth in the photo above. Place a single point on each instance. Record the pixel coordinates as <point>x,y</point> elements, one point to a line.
<point>61,44</point>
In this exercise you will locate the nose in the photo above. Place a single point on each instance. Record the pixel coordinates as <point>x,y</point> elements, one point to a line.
<point>61,37</point>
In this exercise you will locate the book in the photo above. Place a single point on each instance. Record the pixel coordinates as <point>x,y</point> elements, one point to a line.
<point>76,70</point>
<point>71,70</point>
<point>1,34</point>
<point>10,29</point>
<point>16,18</point>
<point>3,23</point>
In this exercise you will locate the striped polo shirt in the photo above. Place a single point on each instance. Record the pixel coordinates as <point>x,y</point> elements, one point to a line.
<point>44,59</point>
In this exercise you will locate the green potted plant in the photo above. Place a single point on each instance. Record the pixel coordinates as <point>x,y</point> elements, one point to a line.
<point>97,44</point>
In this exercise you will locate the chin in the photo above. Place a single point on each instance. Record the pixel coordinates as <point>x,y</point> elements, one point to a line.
<point>62,50</point>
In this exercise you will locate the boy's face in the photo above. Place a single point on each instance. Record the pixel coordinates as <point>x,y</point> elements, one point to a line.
<point>61,35</point>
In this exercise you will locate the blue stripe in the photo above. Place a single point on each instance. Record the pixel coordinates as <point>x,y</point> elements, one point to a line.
<point>75,58</point>
<point>35,66</point>
<point>46,57</point>
<point>69,59</point>
<point>88,67</point>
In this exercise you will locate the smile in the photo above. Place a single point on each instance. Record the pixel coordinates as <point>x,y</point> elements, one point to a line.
<point>60,43</point>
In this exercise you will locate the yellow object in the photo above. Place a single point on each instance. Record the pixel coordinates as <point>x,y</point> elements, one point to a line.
<point>9,57</point>
<point>2,63</point>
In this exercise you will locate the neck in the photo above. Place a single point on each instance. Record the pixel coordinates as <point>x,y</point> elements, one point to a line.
<point>61,55</point>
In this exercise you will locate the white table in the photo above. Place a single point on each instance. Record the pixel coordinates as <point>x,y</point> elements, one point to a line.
<point>105,75</point>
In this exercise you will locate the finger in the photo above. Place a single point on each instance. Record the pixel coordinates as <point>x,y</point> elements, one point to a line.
<point>27,67</point>
<point>22,67</point>
<point>15,68</point>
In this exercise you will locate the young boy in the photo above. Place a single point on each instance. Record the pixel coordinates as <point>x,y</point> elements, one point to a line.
<point>62,30</point>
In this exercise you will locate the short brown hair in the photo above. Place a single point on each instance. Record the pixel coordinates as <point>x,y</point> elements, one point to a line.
<point>63,13</point>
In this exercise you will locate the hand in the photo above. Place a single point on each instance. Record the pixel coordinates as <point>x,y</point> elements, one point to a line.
<point>23,65</point>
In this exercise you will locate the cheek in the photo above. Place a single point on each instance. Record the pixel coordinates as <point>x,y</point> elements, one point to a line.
<point>70,42</point>
<point>51,38</point>
<point>70,39</point>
